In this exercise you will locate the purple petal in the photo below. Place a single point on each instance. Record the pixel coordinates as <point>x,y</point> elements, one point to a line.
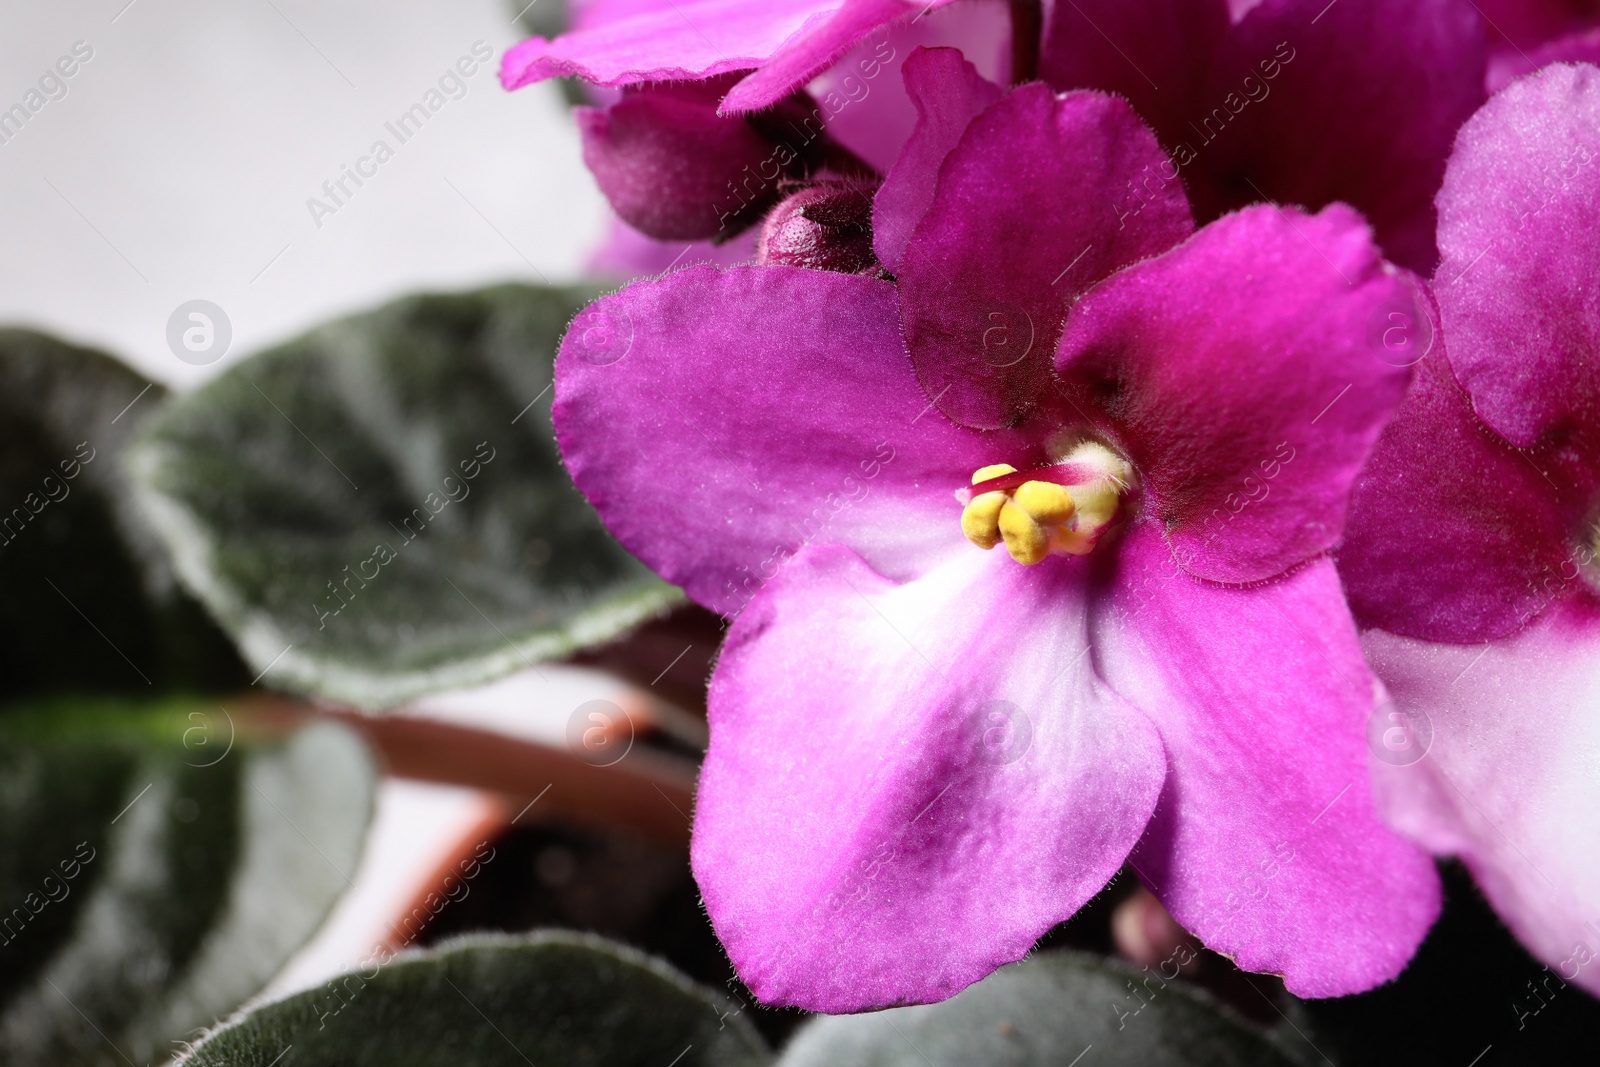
<point>627,254</point>
<point>1243,374</point>
<point>1032,207</point>
<point>1265,843</point>
<point>811,52</point>
<point>720,421</point>
<point>1508,782</point>
<point>948,93</point>
<point>1516,287</point>
<point>1453,534</point>
<point>1524,24</point>
<point>668,163</point>
<point>665,40</point>
<point>863,94</point>
<point>1156,53</point>
<point>1363,107</point>
<point>908,785</point>
<point>1509,64</point>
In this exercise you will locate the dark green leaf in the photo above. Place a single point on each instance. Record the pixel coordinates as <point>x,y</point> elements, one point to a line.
<point>307,497</point>
<point>157,867</point>
<point>88,600</point>
<point>1048,1010</point>
<point>553,998</point>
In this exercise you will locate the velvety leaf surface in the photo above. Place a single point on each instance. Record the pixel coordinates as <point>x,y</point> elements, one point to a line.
<point>1043,1012</point>
<point>378,510</point>
<point>87,597</point>
<point>496,1001</point>
<point>158,865</point>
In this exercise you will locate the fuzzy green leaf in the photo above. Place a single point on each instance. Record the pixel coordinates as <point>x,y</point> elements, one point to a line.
<point>378,510</point>
<point>495,1001</point>
<point>88,599</point>
<point>1045,1012</point>
<point>158,867</point>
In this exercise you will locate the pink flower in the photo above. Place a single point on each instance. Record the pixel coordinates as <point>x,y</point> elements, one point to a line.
<point>1472,551</point>
<point>782,44</point>
<point>681,158</point>
<point>1291,101</point>
<point>924,754</point>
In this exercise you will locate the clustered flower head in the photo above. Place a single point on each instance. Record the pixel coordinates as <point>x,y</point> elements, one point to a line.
<point>1095,473</point>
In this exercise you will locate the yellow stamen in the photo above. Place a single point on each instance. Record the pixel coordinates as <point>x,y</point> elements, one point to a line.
<point>1038,518</point>
<point>980,520</point>
<point>993,470</point>
<point>1025,539</point>
<point>1047,502</point>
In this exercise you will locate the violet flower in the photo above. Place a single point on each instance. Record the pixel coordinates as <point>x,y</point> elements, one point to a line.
<point>778,45</point>
<point>1284,100</point>
<point>923,754</point>
<point>1295,101</point>
<point>1473,541</point>
<point>679,163</point>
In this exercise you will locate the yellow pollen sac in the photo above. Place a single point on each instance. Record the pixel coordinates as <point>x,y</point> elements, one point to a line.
<point>993,470</point>
<point>1039,518</point>
<point>1026,540</point>
<point>1048,503</point>
<point>980,519</point>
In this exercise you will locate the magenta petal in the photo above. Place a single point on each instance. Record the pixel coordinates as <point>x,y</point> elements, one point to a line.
<point>1245,376</point>
<point>1516,287</point>
<point>664,40</point>
<point>1156,53</point>
<point>1025,217</point>
<point>1510,64</point>
<point>908,785</point>
<point>811,52</point>
<point>720,421</point>
<point>1453,535</point>
<point>1265,843</point>
<point>948,93</point>
<point>626,253</point>
<point>1527,23</point>
<point>1509,778</point>
<point>863,92</point>
<point>667,162</point>
<point>1363,108</point>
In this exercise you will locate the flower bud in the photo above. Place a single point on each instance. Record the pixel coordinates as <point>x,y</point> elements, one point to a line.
<point>827,226</point>
<point>675,170</point>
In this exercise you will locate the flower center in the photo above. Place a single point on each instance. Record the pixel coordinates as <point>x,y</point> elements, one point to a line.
<point>1061,509</point>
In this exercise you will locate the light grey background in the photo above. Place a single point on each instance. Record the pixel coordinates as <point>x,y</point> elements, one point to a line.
<point>179,163</point>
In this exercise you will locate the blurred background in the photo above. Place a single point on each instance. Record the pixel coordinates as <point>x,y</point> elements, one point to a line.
<point>179,162</point>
